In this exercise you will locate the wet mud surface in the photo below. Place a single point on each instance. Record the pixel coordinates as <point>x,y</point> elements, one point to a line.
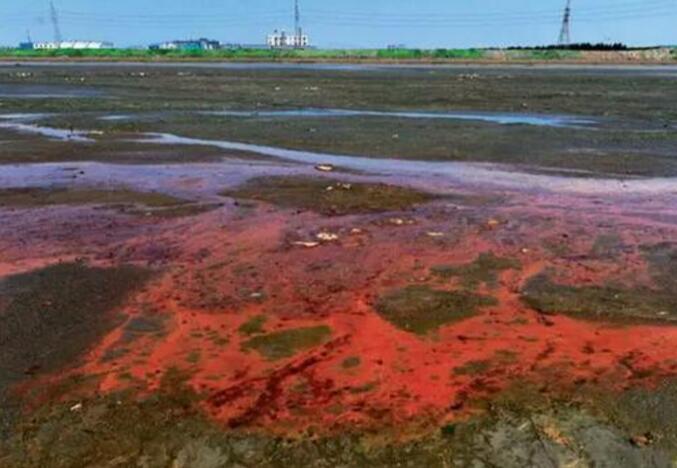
<point>299,313</point>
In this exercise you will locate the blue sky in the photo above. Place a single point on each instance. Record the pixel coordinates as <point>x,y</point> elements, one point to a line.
<point>346,23</point>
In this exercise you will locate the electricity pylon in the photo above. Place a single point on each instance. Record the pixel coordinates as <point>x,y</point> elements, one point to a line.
<point>565,33</point>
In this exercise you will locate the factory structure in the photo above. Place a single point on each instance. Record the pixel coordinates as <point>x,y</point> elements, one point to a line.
<point>278,39</point>
<point>297,40</point>
<point>282,40</point>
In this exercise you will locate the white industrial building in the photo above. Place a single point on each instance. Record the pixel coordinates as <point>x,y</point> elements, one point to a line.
<point>282,40</point>
<point>72,45</point>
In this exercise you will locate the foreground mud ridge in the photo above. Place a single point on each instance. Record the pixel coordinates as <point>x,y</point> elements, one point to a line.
<point>232,309</point>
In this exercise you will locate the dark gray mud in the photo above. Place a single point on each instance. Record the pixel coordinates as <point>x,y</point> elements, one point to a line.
<point>107,430</point>
<point>634,135</point>
<point>52,315</point>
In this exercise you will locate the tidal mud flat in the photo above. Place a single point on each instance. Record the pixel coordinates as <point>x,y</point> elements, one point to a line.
<point>254,289</point>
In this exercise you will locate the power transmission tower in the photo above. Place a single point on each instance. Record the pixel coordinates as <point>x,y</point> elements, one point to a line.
<point>55,23</point>
<point>565,33</point>
<point>297,19</point>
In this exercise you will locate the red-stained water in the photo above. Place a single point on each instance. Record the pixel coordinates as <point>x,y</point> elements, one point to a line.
<point>218,270</point>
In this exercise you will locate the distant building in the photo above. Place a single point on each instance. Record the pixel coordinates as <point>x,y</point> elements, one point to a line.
<point>282,40</point>
<point>235,46</point>
<point>67,45</point>
<point>190,44</point>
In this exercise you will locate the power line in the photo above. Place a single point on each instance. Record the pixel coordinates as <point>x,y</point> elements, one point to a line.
<point>628,10</point>
<point>499,15</point>
<point>629,7</point>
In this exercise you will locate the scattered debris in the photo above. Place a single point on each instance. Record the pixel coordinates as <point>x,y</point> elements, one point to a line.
<point>327,236</point>
<point>76,407</point>
<point>400,221</point>
<point>642,440</point>
<point>324,167</point>
<point>308,245</point>
<point>493,223</point>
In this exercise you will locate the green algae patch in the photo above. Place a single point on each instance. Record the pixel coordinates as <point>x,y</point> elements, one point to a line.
<point>329,197</point>
<point>473,368</point>
<point>421,309</point>
<point>182,210</point>
<point>607,246</point>
<point>351,362</point>
<point>485,269</point>
<point>52,315</point>
<point>287,343</point>
<point>32,197</point>
<point>253,326</point>
<point>157,205</point>
<point>606,303</point>
<point>662,259</point>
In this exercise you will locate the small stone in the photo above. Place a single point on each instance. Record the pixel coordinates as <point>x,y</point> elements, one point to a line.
<point>76,407</point>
